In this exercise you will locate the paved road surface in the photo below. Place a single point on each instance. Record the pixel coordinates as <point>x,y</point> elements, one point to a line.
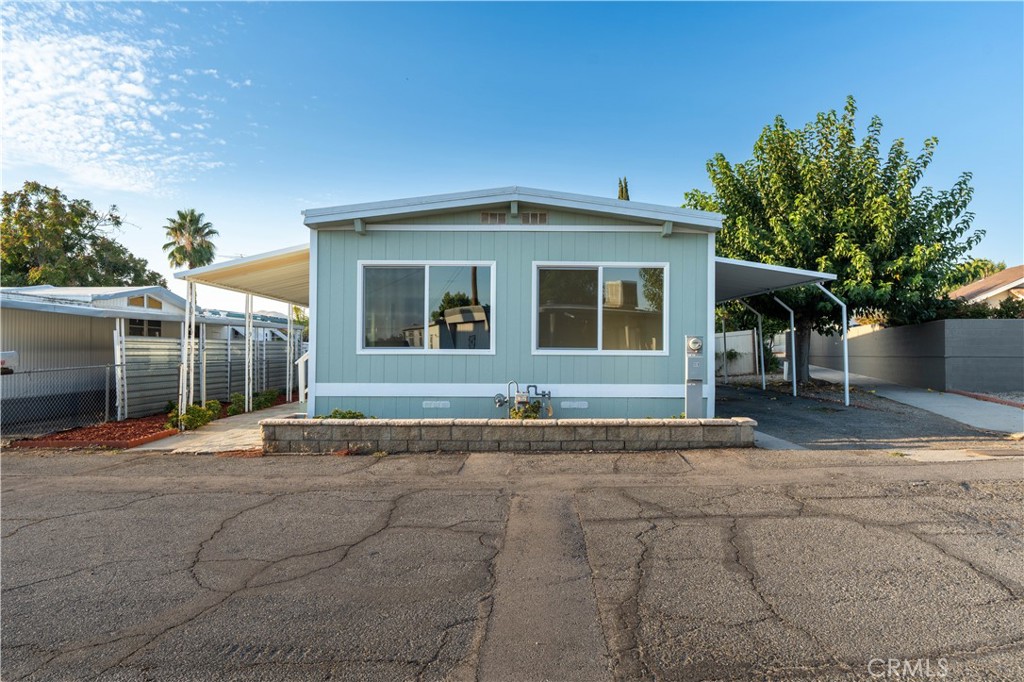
<point>722,565</point>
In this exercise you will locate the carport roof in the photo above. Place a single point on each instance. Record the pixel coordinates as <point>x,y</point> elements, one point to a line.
<point>735,279</point>
<point>283,275</point>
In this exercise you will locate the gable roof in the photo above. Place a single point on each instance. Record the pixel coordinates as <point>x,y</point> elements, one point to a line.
<point>90,294</point>
<point>997,283</point>
<point>45,298</point>
<point>655,214</point>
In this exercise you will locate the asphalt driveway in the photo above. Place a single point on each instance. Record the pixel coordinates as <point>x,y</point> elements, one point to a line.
<point>697,565</point>
<point>821,421</point>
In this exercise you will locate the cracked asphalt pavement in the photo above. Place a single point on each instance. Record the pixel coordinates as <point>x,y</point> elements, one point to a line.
<point>703,565</point>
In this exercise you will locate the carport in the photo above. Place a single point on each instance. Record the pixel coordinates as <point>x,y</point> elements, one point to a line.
<point>284,275</point>
<point>281,275</point>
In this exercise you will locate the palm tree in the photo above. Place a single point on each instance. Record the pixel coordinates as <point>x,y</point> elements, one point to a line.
<point>189,236</point>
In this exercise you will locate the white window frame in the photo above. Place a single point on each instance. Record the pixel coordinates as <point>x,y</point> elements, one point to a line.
<point>599,266</point>
<point>426,265</point>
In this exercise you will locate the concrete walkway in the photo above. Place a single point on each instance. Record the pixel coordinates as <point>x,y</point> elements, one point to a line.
<point>977,413</point>
<point>241,432</point>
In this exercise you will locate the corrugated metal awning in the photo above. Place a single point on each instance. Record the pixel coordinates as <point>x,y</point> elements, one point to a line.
<point>282,275</point>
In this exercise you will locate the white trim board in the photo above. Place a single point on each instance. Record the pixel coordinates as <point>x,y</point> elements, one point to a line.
<point>311,385</point>
<point>383,390</point>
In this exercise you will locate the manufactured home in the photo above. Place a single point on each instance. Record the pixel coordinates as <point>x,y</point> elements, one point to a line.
<point>430,307</point>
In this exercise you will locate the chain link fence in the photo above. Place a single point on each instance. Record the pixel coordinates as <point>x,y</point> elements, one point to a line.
<point>40,401</point>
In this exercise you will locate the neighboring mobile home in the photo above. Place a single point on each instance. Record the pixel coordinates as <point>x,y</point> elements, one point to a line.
<point>60,351</point>
<point>429,306</point>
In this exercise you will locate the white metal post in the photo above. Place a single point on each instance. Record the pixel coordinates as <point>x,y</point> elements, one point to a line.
<point>248,353</point>
<point>846,350</point>
<point>183,369</point>
<point>760,344</point>
<point>725,353</point>
<point>202,364</point>
<point>792,342</point>
<point>290,356</point>
<point>190,321</point>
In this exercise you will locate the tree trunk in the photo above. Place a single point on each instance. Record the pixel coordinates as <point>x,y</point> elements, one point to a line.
<point>803,350</point>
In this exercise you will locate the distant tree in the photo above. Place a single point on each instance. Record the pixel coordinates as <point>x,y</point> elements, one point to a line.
<point>450,300</point>
<point>189,240</point>
<point>623,189</point>
<point>47,238</point>
<point>301,318</point>
<point>814,198</point>
<point>972,271</point>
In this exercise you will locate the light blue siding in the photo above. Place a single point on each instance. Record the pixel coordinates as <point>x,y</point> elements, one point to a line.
<point>482,408</point>
<point>337,329</point>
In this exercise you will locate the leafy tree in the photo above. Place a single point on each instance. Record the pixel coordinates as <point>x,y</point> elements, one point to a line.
<point>624,189</point>
<point>189,240</point>
<point>301,318</point>
<point>47,238</point>
<point>972,271</point>
<point>815,198</point>
<point>450,300</point>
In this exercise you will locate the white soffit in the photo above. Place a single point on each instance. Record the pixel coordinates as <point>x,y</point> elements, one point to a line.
<point>282,275</point>
<point>740,279</point>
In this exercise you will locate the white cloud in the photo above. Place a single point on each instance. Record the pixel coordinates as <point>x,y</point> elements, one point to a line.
<point>82,91</point>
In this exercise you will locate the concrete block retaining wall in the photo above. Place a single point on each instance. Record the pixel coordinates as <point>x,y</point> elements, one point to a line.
<point>324,436</point>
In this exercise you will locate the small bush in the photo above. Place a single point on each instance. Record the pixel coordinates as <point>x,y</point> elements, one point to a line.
<point>195,416</point>
<point>214,407</point>
<point>344,414</point>
<point>528,411</point>
<point>237,405</point>
<point>264,399</point>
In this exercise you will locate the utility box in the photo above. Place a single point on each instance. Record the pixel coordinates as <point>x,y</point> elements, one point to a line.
<point>696,372</point>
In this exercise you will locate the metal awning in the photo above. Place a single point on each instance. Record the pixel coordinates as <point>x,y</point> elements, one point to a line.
<point>282,275</point>
<point>735,279</point>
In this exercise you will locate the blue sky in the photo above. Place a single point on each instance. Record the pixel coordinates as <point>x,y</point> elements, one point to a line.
<point>253,112</point>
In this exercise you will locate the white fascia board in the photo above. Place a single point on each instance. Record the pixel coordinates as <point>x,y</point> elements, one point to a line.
<point>814,275</point>
<point>323,217</point>
<point>978,298</point>
<point>226,265</point>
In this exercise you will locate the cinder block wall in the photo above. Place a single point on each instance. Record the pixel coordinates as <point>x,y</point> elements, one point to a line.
<point>964,355</point>
<point>366,436</point>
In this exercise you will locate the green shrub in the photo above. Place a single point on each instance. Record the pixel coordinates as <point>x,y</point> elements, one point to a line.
<point>195,416</point>
<point>528,411</point>
<point>344,414</point>
<point>214,407</point>
<point>237,405</point>
<point>264,399</point>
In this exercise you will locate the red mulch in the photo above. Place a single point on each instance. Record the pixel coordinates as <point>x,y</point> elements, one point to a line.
<point>123,434</point>
<point>112,434</point>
